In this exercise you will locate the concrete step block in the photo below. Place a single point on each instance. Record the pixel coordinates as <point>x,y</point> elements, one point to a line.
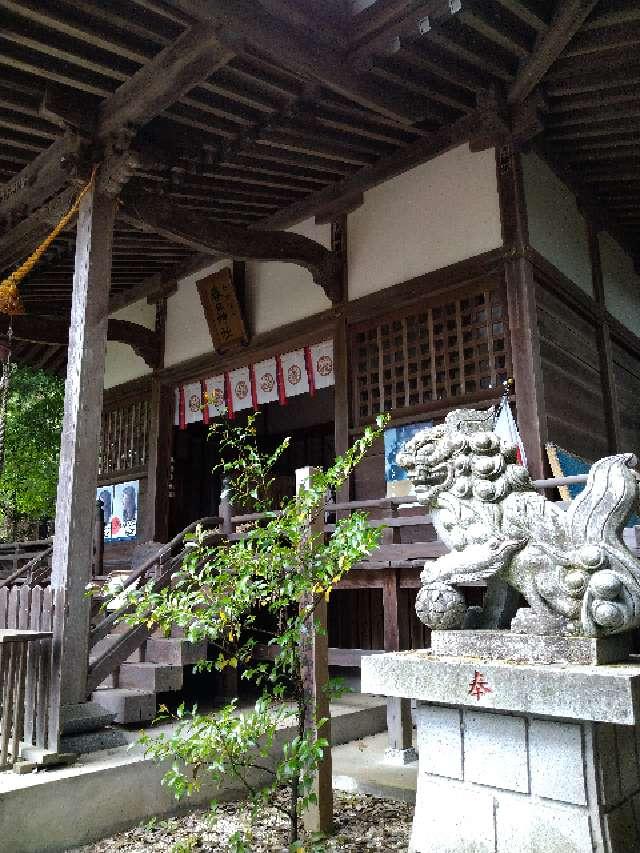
<point>176,651</point>
<point>110,682</point>
<point>137,656</point>
<point>128,705</point>
<point>158,678</point>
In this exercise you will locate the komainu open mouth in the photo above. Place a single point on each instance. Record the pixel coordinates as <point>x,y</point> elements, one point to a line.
<point>435,476</point>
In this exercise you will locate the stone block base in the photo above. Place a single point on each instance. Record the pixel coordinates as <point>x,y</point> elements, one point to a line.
<point>526,648</point>
<point>494,782</point>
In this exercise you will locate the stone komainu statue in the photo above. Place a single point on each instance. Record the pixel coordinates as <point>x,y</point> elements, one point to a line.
<point>571,565</point>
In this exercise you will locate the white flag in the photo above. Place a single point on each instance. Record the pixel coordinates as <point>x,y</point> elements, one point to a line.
<point>240,383</point>
<point>322,363</point>
<point>294,372</point>
<point>193,403</point>
<point>215,395</point>
<point>266,373</point>
<point>507,429</point>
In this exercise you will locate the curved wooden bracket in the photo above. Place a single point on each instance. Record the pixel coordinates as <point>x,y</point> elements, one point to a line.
<point>54,330</point>
<point>159,214</point>
<point>144,342</point>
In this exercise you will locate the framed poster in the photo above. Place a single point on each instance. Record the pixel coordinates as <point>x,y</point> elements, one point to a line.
<point>120,504</point>
<point>222,310</point>
<point>394,439</point>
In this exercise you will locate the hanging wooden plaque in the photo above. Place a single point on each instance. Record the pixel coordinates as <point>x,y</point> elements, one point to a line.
<point>222,310</point>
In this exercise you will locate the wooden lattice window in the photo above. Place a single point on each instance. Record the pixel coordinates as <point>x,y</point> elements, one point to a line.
<point>124,438</point>
<point>449,347</point>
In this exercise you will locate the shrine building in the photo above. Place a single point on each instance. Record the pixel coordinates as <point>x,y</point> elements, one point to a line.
<point>319,211</point>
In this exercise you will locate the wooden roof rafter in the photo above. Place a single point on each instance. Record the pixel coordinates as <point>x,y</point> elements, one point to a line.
<point>299,123</point>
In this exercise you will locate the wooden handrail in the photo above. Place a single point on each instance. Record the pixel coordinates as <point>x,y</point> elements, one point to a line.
<point>28,567</point>
<point>125,644</point>
<point>102,628</point>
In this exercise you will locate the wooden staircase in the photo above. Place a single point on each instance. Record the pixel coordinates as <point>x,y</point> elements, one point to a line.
<point>128,665</point>
<point>157,666</point>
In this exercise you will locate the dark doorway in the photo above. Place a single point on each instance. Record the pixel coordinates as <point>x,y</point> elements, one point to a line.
<point>306,420</point>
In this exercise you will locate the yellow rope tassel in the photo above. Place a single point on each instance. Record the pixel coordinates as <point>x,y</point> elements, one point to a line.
<point>10,301</point>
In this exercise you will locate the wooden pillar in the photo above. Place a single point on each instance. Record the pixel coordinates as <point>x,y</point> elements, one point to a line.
<point>73,544</point>
<point>399,727</point>
<point>159,444</point>
<point>315,677</point>
<point>341,356</point>
<point>523,315</point>
<point>607,374</point>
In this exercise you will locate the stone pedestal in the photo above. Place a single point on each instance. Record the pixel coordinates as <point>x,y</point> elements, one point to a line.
<point>520,758</point>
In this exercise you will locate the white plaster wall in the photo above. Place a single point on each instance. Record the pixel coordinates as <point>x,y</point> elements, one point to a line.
<point>621,283</point>
<point>121,363</point>
<point>439,213</point>
<point>280,293</point>
<point>187,333</point>
<point>557,229</point>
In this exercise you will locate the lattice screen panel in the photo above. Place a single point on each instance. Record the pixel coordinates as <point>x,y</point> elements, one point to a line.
<point>445,349</point>
<point>124,438</point>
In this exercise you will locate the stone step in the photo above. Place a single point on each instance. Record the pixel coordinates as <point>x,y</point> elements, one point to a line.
<point>129,705</point>
<point>158,678</point>
<point>175,650</point>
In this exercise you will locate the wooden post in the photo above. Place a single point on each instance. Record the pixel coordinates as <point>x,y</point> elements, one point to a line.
<point>607,372</point>
<point>98,540</point>
<point>399,727</point>
<point>315,676</point>
<point>159,444</point>
<point>73,543</point>
<point>523,317</point>
<point>341,357</point>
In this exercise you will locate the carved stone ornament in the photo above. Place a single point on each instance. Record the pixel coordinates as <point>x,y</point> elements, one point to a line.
<point>572,566</point>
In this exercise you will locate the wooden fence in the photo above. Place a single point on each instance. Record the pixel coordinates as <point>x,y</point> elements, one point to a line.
<point>27,728</point>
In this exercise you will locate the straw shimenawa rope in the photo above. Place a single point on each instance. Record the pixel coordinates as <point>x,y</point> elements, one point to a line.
<point>10,301</point>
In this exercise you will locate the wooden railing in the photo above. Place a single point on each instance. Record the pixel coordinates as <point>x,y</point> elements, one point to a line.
<point>28,726</point>
<point>159,568</point>
<point>19,559</point>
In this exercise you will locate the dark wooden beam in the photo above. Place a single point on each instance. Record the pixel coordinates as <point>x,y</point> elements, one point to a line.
<point>18,242</point>
<point>144,342</point>
<point>406,158</point>
<point>523,318</point>
<point>605,350</point>
<point>415,22</point>
<point>160,285</point>
<point>160,215</point>
<point>301,54</point>
<point>193,57</point>
<point>44,329</point>
<point>45,176</point>
<point>568,18</point>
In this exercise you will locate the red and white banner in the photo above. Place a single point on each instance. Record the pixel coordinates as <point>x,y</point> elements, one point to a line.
<point>240,387</point>
<point>507,429</point>
<point>297,372</point>
<point>294,373</point>
<point>188,404</point>
<point>266,373</point>
<point>215,395</point>
<point>322,364</point>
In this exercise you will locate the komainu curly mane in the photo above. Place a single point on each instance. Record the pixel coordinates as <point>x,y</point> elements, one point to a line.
<point>572,567</point>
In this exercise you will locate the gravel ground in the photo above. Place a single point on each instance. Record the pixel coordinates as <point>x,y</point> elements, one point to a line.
<point>362,823</point>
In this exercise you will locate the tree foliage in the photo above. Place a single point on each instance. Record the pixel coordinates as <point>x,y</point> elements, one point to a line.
<point>264,588</point>
<point>33,424</point>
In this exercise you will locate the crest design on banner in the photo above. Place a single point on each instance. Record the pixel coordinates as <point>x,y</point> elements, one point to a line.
<point>324,365</point>
<point>294,374</point>
<point>267,382</point>
<point>270,380</point>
